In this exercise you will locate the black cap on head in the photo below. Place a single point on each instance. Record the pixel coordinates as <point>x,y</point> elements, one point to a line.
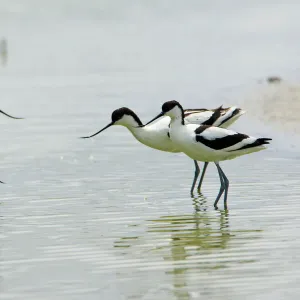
<point>167,106</point>
<point>119,113</point>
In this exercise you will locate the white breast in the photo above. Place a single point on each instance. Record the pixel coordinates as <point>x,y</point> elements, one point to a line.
<point>155,135</point>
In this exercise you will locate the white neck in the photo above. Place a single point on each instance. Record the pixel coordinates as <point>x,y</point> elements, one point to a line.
<point>176,121</point>
<point>176,115</point>
<point>137,132</point>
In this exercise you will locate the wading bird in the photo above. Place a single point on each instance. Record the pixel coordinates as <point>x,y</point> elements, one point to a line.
<point>208,143</point>
<point>156,135</point>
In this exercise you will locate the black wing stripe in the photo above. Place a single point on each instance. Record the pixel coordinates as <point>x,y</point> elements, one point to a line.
<point>234,113</point>
<point>214,117</point>
<point>191,111</point>
<point>201,128</point>
<point>188,112</point>
<point>222,143</point>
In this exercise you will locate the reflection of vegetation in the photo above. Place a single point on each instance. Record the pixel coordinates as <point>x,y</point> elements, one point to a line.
<point>124,242</point>
<point>189,244</point>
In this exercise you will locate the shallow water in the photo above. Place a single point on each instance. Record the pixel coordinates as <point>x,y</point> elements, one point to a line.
<point>109,218</point>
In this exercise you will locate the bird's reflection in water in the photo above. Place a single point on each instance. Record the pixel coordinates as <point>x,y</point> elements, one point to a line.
<point>191,244</point>
<point>202,230</point>
<point>199,202</point>
<point>191,236</point>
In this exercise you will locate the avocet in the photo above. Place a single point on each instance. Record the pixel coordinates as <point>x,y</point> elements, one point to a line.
<point>157,136</point>
<point>208,143</point>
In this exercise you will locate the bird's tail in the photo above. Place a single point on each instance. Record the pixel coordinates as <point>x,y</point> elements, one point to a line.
<point>229,117</point>
<point>260,142</point>
<point>263,141</point>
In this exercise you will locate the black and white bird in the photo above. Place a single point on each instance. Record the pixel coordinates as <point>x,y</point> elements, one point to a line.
<point>156,135</point>
<point>208,143</point>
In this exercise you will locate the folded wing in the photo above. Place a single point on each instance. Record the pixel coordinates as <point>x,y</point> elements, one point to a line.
<point>227,140</point>
<point>219,117</point>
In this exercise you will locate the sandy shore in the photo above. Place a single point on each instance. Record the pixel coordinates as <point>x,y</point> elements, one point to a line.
<point>277,102</point>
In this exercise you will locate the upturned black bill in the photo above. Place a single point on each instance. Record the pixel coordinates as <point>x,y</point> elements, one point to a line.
<point>157,117</point>
<point>4,113</point>
<point>87,137</point>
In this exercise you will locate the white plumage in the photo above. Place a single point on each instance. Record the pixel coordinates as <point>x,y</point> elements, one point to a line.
<point>207,143</point>
<point>156,134</point>
<point>212,133</point>
<point>200,147</point>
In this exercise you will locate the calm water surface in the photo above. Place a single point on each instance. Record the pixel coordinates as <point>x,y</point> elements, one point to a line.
<point>108,218</point>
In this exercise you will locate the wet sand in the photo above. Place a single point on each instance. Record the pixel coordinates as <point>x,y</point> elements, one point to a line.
<point>275,103</point>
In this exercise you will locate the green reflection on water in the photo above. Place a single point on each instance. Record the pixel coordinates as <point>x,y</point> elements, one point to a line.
<point>123,242</point>
<point>191,244</point>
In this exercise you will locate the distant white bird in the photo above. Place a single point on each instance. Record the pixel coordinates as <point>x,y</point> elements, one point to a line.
<point>156,135</point>
<point>207,143</point>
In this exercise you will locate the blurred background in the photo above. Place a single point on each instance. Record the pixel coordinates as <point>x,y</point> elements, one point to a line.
<point>112,219</point>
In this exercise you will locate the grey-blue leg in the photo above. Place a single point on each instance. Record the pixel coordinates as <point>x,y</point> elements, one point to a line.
<point>222,187</point>
<point>202,176</point>
<point>197,171</point>
<point>226,183</point>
